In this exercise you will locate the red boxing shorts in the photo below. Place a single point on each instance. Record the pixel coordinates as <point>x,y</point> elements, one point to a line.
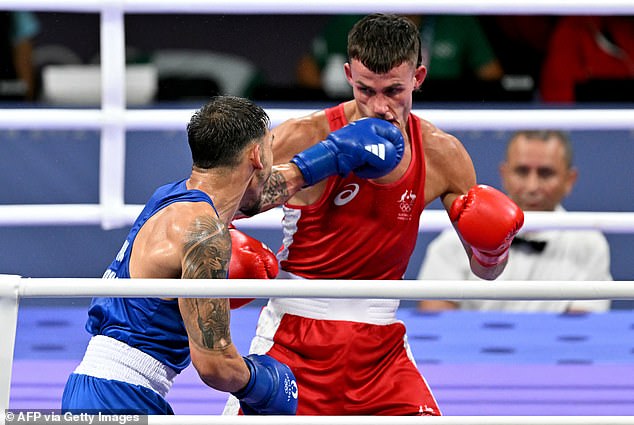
<point>345,367</point>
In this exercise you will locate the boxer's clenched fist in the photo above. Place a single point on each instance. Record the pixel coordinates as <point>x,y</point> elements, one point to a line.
<point>370,147</point>
<point>488,220</point>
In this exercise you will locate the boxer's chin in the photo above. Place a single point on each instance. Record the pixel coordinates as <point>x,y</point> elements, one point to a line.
<point>251,209</point>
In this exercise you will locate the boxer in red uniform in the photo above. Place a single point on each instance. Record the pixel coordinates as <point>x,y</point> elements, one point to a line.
<point>351,357</point>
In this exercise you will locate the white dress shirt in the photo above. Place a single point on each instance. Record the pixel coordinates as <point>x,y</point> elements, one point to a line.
<point>570,255</point>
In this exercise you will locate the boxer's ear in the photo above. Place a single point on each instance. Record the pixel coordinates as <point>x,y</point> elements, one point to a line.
<point>419,76</point>
<point>255,156</point>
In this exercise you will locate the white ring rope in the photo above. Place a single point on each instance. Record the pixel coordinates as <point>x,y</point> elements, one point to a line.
<point>447,119</point>
<point>253,288</point>
<point>393,420</point>
<point>554,7</point>
<point>431,220</point>
<point>378,420</point>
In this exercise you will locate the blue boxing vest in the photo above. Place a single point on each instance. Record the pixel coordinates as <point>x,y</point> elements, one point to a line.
<point>152,325</point>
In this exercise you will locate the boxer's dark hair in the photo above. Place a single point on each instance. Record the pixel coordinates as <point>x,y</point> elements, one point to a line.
<point>383,41</point>
<point>222,128</point>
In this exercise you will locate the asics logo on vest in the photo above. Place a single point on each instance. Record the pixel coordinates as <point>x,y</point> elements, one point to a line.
<point>347,195</point>
<point>378,150</point>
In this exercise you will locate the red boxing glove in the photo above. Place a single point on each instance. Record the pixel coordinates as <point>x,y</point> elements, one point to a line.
<point>250,259</point>
<point>488,220</point>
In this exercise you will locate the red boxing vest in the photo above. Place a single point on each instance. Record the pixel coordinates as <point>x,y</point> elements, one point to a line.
<point>358,229</point>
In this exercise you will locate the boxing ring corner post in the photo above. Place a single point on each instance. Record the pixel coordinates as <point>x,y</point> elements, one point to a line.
<point>9,300</point>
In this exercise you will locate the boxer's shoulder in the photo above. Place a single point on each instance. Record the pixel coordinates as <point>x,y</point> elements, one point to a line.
<point>442,148</point>
<point>297,134</point>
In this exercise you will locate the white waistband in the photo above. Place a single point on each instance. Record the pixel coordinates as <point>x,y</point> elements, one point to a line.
<point>373,311</point>
<point>108,358</point>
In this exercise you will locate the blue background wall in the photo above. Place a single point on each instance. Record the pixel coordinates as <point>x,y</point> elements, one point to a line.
<point>42,167</point>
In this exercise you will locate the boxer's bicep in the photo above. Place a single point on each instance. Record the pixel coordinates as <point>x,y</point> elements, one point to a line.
<point>206,255</point>
<point>206,249</point>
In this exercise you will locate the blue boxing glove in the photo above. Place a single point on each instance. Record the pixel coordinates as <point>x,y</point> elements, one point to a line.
<point>271,390</point>
<point>370,147</point>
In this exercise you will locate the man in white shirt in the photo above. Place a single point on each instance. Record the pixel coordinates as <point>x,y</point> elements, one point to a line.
<point>537,174</point>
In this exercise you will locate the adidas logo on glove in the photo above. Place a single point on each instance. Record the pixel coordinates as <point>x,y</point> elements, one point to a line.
<point>378,150</point>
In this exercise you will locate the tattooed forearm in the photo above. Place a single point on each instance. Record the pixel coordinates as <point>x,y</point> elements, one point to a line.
<point>285,181</point>
<point>207,322</point>
<point>207,250</point>
<point>275,192</point>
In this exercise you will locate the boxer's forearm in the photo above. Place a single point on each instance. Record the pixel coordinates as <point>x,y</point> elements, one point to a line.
<point>285,181</point>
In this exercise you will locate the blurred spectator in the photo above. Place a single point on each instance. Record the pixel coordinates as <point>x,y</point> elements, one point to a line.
<point>520,43</point>
<point>194,74</point>
<point>455,48</point>
<point>17,75</point>
<point>593,50</point>
<point>537,174</point>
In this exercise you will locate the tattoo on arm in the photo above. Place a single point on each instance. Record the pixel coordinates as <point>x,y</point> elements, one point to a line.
<point>275,192</point>
<point>207,322</point>
<point>207,251</point>
<point>285,181</point>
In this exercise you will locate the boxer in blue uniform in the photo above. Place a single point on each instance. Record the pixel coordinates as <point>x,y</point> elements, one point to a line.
<point>140,345</point>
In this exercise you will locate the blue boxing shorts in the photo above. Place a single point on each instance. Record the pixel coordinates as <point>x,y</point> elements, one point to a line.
<point>115,378</point>
<point>88,394</point>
